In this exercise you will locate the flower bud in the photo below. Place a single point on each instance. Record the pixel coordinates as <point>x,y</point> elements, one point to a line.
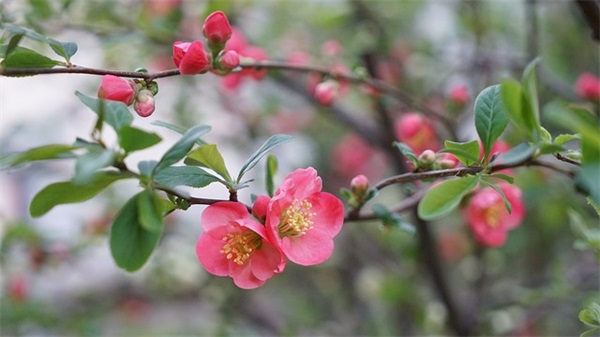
<point>229,60</point>
<point>417,132</point>
<point>588,87</point>
<point>326,92</point>
<point>153,87</point>
<point>144,104</point>
<point>359,184</point>
<point>116,89</point>
<point>459,95</point>
<point>427,157</point>
<point>191,58</point>
<point>217,30</point>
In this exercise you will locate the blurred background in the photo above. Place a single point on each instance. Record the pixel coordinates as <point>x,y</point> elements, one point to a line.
<point>58,277</point>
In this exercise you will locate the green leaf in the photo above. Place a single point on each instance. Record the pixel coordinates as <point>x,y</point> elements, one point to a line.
<point>392,220</point>
<point>550,148</point>
<point>133,139</point>
<point>406,152</point>
<point>88,164</point>
<point>565,138</point>
<point>64,49</point>
<point>270,174</point>
<point>517,107</point>
<point>181,148</point>
<point>12,44</point>
<point>146,167</point>
<point>209,156</point>
<point>587,178</point>
<point>175,128</point>
<point>501,176</point>
<point>174,176</point>
<point>490,119</point>
<point>46,152</point>
<point>14,29</point>
<point>591,315</point>
<point>467,153</point>
<point>130,244</point>
<point>271,143</point>
<point>593,332</point>
<point>530,89</point>
<point>22,57</point>
<point>115,114</point>
<point>500,192</point>
<point>69,192</point>
<point>149,215</point>
<point>516,155</point>
<point>445,197</point>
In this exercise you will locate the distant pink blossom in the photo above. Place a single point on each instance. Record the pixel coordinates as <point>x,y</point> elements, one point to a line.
<point>234,244</point>
<point>416,131</point>
<point>352,155</point>
<point>116,89</point>
<point>247,53</point>
<point>488,218</point>
<point>459,94</point>
<point>302,220</point>
<point>588,86</point>
<point>191,58</point>
<point>331,47</point>
<point>326,92</point>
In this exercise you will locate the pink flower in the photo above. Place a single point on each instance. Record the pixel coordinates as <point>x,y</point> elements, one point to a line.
<point>588,86</point>
<point>352,155</point>
<point>302,220</point>
<point>488,218</point>
<point>331,48</point>
<point>234,244</point>
<point>459,95</point>
<point>326,92</point>
<point>144,103</point>
<point>191,58</point>
<point>216,29</point>
<point>116,89</point>
<point>417,132</point>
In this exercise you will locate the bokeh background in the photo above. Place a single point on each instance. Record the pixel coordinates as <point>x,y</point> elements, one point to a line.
<point>58,277</point>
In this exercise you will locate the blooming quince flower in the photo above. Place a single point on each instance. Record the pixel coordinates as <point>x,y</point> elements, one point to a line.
<point>216,29</point>
<point>191,58</point>
<point>588,86</point>
<point>302,220</point>
<point>417,132</point>
<point>488,218</point>
<point>234,244</point>
<point>116,89</point>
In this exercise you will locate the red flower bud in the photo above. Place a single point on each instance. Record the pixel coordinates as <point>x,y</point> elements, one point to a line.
<point>326,92</point>
<point>588,86</point>
<point>229,60</point>
<point>217,29</point>
<point>459,95</point>
<point>144,103</point>
<point>191,58</point>
<point>116,89</point>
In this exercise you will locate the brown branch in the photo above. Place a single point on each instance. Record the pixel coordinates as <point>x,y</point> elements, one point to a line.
<point>414,176</point>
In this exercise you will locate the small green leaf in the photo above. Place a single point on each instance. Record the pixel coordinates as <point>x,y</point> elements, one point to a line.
<point>490,118</point>
<point>271,143</point>
<point>406,152</point>
<point>550,148</point>
<point>517,108</point>
<point>64,49</point>
<point>209,156</point>
<point>445,197</point>
<point>587,179</point>
<point>530,89</point>
<point>591,315</point>
<point>500,192</point>
<point>69,192</point>
<point>115,114</point>
<point>14,29</point>
<point>392,220</point>
<point>133,139</point>
<point>516,155</point>
<point>565,138</point>
<point>149,214</point>
<point>175,128</point>
<point>21,57</point>
<point>130,244</point>
<point>174,176</point>
<point>270,174</point>
<point>88,164</point>
<point>46,152</point>
<point>467,153</point>
<point>182,147</point>
<point>12,44</point>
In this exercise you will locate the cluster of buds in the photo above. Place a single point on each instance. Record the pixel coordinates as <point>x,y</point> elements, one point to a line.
<point>429,160</point>
<point>137,92</point>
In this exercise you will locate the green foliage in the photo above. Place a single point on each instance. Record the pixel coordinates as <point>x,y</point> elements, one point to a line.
<point>445,197</point>
<point>64,49</point>
<point>88,164</point>
<point>271,143</point>
<point>209,156</point>
<point>115,114</point>
<point>591,318</point>
<point>407,152</point>
<point>69,192</point>
<point>181,148</point>
<point>490,119</point>
<point>270,174</point>
<point>21,57</point>
<point>133,139</point>
<point>131,244</point>
<point>491,184</point>
<point>45,152</point>
<point>392,220</point>
<point>149,210</point>
<point>518,107</point>
<point>175,176</point>
<point>175,128</point>
<point>516,155</point>
<point>467,153</point>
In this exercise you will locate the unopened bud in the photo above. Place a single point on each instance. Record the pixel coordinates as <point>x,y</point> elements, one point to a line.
<point>228,60</point>
<point>326,92</point>
<point>117,89</point>
<point>359,184</point>
<point>427,157</point>
<point>144,104</point>
<point>217,30</point>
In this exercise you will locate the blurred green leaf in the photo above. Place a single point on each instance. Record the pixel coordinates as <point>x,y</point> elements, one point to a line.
<point>12,44</point>
<point>115,114</point>
<point>467,153</point>
<point>499,191</point>
<point>182,147</point>
<point>14,29</point>
<point>209,156</point>
<point>271,143</point>
<point>270,174</point>
<point>490,118</point>
<point>175,128</point>
<point>146,167</point>
<point>21,57</point>
<point>550,148</point>
<point>501,176</point>
<point>406,152</point>
<point>517,108</point>
<point>149,214</point>
<point>392,220</point>
<point>530,88</point>
<point>46,152</point>
<point>130,244</point>
<point>565,138</point>
<point>133,139</point>
<point>591,315</point>
<point>445,197</point>
<point>87,165</point>
<point>587,178</point>
<point>174,176</point>
<point>69,192</point>
<point>516,155</point>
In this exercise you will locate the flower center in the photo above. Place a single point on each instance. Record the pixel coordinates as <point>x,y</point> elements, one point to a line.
<point>296,220</point>
<point>493,215</point>
<point>239,246</point>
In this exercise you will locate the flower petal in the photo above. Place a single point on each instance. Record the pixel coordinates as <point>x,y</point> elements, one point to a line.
<point>208,251</point>
<point>309,249</point>
<point>222,213</point>
<point>329,212</point>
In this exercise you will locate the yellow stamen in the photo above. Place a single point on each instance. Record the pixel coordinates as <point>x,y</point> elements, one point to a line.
<point>239,246</point>
<point>493,215</point>
<point>296,220</point>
